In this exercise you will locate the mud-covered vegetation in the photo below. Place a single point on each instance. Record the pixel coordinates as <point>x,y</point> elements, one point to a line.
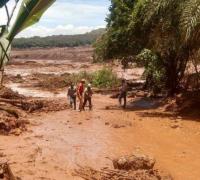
<point>103,78</point>
<point>161,35</point>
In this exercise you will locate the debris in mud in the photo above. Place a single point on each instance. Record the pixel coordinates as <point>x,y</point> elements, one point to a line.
<point>135,167</point>
<point>174,126</point>
<point>107,108</point>
<point>6,173</point>
<point>12,126</point>
<point>134,162</point>
<point>29,104</point>
<point>14,107</point>
<point>117,126</point>
<point>8,93</point>
<point>107,123</point>
<point>121,125</point>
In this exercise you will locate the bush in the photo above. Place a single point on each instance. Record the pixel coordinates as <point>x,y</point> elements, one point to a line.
<point>105,78</point>
<point>154,70</point>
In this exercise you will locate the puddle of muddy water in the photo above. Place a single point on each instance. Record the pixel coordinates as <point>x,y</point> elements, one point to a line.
<point>35,92</point>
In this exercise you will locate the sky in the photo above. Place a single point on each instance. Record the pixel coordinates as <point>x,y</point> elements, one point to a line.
<point>67,17</point>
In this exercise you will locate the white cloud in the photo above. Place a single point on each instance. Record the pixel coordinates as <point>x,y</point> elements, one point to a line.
<point>64,17</point>
<point>58,30</point>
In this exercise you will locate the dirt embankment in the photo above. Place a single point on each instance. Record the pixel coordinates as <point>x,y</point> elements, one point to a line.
<point>14,108</point>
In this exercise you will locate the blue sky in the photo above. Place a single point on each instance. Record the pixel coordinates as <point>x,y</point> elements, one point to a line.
<point>70,17</point>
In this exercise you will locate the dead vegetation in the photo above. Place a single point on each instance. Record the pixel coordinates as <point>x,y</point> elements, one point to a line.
<point>134,167</point>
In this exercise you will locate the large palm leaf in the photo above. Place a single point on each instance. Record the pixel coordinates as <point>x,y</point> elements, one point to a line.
<point>190,20</point>
<point>30,12</point>
<point>3,2</point>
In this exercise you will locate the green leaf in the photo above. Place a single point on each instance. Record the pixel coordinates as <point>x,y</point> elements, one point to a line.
<point>30,13</point>
<point>4,52</point>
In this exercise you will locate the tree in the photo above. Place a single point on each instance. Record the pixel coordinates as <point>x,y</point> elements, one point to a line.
<point>168,28</point>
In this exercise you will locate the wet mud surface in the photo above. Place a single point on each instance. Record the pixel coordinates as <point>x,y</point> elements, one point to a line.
<point>57,142</point>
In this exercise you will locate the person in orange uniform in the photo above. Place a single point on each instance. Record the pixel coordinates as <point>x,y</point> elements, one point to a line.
<point>80,92</point>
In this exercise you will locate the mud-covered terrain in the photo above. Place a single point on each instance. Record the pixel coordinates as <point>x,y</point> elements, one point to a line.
<point>56,144</point>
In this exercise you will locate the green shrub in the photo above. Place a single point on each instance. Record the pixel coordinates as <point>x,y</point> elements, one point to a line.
<point>105,78</point>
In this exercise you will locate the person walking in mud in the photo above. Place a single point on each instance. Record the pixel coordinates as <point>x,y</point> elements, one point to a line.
<point>80,91</point>
<point>123,93</point>
<point>88,97</point>
<point>72,96</point>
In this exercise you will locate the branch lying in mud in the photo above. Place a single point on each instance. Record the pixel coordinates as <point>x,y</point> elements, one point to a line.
<point>27,105</point>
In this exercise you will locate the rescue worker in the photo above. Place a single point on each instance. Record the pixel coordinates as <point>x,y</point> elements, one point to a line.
<point>80,91</point>
<point>72,96</point>
<point>88,97</point>
<point>123,93</point>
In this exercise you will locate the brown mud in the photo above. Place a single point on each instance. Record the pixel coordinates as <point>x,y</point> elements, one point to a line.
<point>56,143</point>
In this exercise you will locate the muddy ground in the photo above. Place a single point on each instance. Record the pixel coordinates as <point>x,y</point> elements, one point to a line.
<point>56,142</point>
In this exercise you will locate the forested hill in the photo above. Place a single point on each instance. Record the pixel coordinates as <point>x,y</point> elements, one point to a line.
<point>59,40</point>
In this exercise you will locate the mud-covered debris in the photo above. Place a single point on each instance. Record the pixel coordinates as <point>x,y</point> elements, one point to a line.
<point>6,172</point>
<point>175,126</point>
<point>134,167</point>
<point>30,104</point>
<point>88,173</point>
<point>12,126</point>
<point>134,162</point>
<point>107,108</point>
<point>117,126</point>
<point>107,123</point>
<point>8,93</point>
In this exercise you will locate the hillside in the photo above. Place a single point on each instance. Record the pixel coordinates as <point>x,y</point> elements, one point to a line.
<point>58,40</point>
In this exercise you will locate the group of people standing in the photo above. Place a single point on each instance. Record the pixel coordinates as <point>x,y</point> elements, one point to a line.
<point>83,93</point>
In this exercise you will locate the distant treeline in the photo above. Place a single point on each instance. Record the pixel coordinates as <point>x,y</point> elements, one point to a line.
<point>58,40</point>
